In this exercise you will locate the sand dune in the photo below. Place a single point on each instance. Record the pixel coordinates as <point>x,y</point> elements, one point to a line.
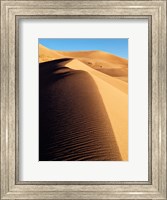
<point>73,122</point>
<point>46,54</point>
<point>123,78</point>
<point>79,77</point>
<point>96,55</point>
<point>107,63</point>
<point>115,69</point>
<point>115,98</point>
<point>77,65</point>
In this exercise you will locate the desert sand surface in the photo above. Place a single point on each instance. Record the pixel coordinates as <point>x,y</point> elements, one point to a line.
<point>96,101</point>
<point>74,124</point>
<point>46,54</point>
<point>107,63</point>
<point>115,99</point>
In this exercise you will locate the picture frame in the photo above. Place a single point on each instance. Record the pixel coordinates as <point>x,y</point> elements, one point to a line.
<point>11,12</point>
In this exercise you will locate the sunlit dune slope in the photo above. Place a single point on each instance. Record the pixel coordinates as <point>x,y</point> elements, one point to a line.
<point>115,98</point>
<point>78,65</point>
<point>105,62</point>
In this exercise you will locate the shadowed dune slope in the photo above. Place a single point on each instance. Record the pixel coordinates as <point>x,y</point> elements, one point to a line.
<point>73,122</point>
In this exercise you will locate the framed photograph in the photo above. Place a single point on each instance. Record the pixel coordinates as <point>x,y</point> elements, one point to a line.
<point>83,99</point>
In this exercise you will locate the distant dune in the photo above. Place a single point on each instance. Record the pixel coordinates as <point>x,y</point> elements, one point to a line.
<point>46,54</point>
<point>96,55</point>
<point>107,63</point>
<point>94,83</point>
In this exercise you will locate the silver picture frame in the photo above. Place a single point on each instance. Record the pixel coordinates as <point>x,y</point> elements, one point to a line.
<point>11,12</point>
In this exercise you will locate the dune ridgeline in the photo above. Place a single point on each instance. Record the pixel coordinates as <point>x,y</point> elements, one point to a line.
<point>83,106</point>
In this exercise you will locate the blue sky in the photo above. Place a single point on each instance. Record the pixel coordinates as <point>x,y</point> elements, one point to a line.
<point>117,47</point>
